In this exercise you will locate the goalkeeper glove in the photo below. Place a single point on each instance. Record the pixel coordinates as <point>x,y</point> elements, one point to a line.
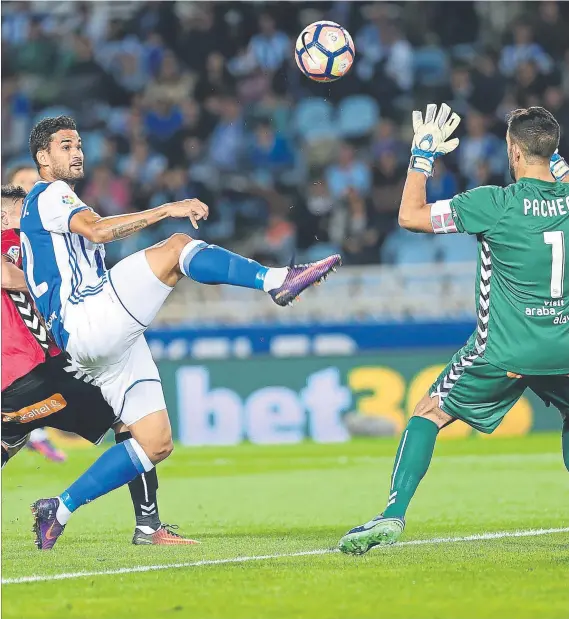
<point>558,166</point>
<point>430,137</point>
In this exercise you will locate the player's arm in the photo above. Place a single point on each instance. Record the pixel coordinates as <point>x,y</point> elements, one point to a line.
<point>429,143</point>
<point>414,212</point>
<point>106,229</point>
<point>559,168</point>
<point>12,277</point>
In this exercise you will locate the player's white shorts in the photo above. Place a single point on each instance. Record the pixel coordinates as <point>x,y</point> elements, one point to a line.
<point>106,338</point>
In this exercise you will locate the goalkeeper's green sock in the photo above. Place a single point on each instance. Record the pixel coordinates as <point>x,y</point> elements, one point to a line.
<point>565,441</point>
<point>411,463</point>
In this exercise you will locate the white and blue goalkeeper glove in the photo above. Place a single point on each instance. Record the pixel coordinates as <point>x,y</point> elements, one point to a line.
<point>431,136</point>
<point>558,166</point>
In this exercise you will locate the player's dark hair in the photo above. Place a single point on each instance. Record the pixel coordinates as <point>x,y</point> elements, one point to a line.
<point>12,192</point>
<point>42,133</point>
<point>535,131</point>
<point>12,172</point>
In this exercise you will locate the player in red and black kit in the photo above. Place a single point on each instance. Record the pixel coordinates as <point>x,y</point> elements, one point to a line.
<point>41,388</point>
<point>26,177</point>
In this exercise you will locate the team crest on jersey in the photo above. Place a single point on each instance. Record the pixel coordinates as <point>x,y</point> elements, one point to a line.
<point>68,199</point>
<point>13,253</point>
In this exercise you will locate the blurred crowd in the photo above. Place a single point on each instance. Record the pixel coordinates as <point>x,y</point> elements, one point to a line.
<point>203,99</point>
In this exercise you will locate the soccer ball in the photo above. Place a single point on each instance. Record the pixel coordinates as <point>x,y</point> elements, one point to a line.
<point>324,51</point>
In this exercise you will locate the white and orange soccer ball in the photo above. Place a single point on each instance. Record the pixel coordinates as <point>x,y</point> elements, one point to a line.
<point>324,51</point>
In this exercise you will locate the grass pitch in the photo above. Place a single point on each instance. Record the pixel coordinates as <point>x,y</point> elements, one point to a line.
<point>251,502</point>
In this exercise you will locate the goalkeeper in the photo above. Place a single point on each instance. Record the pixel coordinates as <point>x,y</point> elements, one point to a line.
<point>521,339</point>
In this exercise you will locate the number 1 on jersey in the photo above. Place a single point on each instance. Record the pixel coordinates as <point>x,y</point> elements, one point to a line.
<point>557,241</point>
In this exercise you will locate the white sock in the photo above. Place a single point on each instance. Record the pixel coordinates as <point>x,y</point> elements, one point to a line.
<point>274,278</point>
<point>62,514</point>
<point>38,435</point>
<point>144,529</point>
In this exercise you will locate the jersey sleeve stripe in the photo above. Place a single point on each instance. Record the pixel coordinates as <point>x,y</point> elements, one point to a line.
<point>83,207</point>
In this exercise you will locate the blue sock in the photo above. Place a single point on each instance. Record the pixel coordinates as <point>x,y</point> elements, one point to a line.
<point>210,264</point>
<point>116,467</point>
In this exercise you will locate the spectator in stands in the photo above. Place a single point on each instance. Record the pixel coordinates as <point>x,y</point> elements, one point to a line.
<point>555,102</point>
<point>38,53</point>
<point>172,82</point>
<point>348,173</point>
<point>386,138</point>
<point>16,110</point>
<point>270,152</point>
<point>529,84</point>
<point>313,208</point>
<point>130,73</point>
<point>271,47</point>
<point>278,240</point>
<point>276,109</point>
<point>482,175</point>
<point>196,39</point>
<point>161,121</point>
<point>398,57</point>
<point>142,167</point>
<point>443,185</point>
<point>524,49</point>
<point>489,86</point>
<point>106,193</point>
<point>87,81</point>
<point>153,54</point>
<point>215,83</point>
<point>226,143</point>
<point>16,24</point>
<point>388,181</point>
<point>480,145</point>
<point>353,228</point>
<point>368,39</point>
<point>551,29</point>
<point>460,89</point>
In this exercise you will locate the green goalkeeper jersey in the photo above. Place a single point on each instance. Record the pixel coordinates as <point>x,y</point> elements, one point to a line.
<point>522,290</point>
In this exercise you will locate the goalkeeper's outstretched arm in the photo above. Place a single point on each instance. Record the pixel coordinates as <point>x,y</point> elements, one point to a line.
<point>430,142</point>
<point>414,212</point>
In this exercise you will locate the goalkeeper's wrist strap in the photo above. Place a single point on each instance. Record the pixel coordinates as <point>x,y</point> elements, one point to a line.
<point>559,169</point>
<point>421,164</point>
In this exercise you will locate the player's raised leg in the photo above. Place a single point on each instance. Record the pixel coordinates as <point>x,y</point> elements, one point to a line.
<point>411,463</point>
<point>181,256</point>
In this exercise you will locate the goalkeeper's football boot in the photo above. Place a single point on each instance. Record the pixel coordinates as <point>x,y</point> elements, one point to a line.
<point>46,526</point>
<point>165,535</point>
<point>302,276</point>
<point>380,531</point>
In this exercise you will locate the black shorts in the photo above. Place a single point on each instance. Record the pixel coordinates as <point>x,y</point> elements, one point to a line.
<point>48,396</point>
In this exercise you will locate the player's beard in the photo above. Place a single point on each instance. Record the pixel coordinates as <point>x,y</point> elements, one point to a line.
<point>70,175</point>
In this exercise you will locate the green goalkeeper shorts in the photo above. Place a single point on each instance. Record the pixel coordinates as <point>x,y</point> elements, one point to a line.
<point>480,394</point>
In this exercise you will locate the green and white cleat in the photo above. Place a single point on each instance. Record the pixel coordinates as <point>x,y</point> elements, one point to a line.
<point>377,532</point>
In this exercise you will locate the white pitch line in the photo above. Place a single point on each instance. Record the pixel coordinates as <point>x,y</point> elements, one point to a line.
<point>304,553</point>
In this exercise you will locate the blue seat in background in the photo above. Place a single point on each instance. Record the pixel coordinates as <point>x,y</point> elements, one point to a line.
<point>431,66</point>
<point>357,116</point>
<point>313,119</point>
<point>406,248</point>
<point>456,248</point>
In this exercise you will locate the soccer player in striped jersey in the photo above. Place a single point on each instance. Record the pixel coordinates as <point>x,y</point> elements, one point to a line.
<point>99,316</point>
<point>41,387</point>
<point>522,336</point>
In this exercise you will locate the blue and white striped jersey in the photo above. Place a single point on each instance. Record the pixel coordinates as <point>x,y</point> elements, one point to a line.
<point>60,267</point>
